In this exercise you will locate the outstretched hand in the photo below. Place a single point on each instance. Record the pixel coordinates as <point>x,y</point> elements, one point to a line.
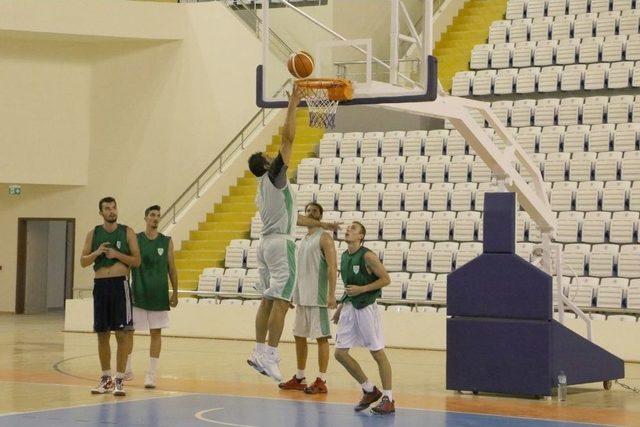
<point>333,226</point>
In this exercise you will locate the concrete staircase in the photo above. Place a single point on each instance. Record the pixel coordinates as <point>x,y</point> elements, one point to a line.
<point>469,28</point>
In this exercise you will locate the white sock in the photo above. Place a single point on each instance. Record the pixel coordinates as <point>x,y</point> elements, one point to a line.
<point>153,364</point>
<point>260,347</point>
<point>272,350</point>
<point>128,368</point>
<point>106,373</point>
<point>367,386</point>
<point>300,374</point>
<point>322,376</point>
<point>388,394</point>
<point>119,375</point>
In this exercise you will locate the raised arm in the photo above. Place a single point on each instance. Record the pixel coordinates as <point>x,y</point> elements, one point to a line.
<point>289,128</point>
<point>329,251</point>
<point>305,221</point>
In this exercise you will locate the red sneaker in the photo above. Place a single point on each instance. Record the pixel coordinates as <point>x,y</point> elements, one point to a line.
<point>293,384</point>
<point>368,399</point>
<point>317,387</point>
<point>385,407</point>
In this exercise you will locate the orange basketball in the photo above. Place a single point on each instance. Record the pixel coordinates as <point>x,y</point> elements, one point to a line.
<point>300,64</point>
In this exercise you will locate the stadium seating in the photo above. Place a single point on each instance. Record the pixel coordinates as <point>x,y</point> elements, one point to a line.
<point>420,192</point>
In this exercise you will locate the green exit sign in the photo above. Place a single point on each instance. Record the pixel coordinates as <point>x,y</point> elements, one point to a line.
<point>15,190</point>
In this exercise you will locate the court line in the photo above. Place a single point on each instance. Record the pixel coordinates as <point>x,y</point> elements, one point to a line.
<point>287,400</point>
<point>56,367</point>
<point>417,409</point>
<point>87,405</point>
<point>200,416</point>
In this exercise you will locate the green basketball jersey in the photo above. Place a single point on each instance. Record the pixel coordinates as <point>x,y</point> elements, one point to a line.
<point>150,283</point>
<point>118,240</point>
<point>353,269</point>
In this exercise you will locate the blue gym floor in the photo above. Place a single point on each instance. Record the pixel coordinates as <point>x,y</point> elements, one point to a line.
<point>201,409</point>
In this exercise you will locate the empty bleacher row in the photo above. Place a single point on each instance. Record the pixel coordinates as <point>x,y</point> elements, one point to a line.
<point>404,175</point>
<point>593,110</point>
<point>610,49</point>
<point>562,27</point>
<point>517,9</point>
<point>570,78</point>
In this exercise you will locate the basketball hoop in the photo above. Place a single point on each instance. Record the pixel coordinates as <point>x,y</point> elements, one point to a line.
<point>323,96</point>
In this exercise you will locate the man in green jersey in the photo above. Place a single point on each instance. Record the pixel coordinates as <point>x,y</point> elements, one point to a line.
<point>112,248</point>
<point>150,285</point>
<point>276,201</point>
<point>359,323</point>
<point>313,295</point>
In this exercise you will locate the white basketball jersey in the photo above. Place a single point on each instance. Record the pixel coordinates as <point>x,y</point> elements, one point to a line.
<point>277,207</point>
<point>312,281</point>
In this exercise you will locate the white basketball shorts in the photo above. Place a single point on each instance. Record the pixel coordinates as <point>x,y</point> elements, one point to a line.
<point>360,328</point>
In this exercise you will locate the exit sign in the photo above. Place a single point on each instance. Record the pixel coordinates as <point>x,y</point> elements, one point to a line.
<point>15,190</point>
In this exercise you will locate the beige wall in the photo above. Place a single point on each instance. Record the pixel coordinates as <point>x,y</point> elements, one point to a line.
<point>156,111</point>
<point>45,85</point>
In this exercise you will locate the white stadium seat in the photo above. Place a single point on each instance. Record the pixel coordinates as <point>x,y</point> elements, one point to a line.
<point>629,261</point>
<point>394,224</point>
<point>442,257</point>
<point>393,196</point>
<point>419,256</point>
<point>415,197</point>
<point>417,225</point>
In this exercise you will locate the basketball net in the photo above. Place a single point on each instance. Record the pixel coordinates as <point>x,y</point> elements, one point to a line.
<point>322,97</point>
<point>322,110</point>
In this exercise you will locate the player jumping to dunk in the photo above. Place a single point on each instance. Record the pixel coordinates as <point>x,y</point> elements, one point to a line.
<point>358,319</point>
<point>276,202</point>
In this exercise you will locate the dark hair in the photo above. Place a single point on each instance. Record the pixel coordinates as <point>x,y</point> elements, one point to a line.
<point>362,229</point>
<point>317,205</point>
<point>151,208</point>
<point>258,164</point>
<point>107,199</point>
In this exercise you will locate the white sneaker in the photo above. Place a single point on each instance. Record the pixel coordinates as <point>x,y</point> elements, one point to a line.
<point>105,385</point>
<point>128,376</point>
<point>254,362</point>
<point>269,363</point>
<point>118,388</point>
<point>150,380</point>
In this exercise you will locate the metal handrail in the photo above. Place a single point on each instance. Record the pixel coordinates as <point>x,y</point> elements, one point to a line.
<point>340,37</point>
<point>272,34</point>
<point>257,121</point>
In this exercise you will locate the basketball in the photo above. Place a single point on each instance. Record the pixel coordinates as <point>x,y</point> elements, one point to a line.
<point>300,64</point>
